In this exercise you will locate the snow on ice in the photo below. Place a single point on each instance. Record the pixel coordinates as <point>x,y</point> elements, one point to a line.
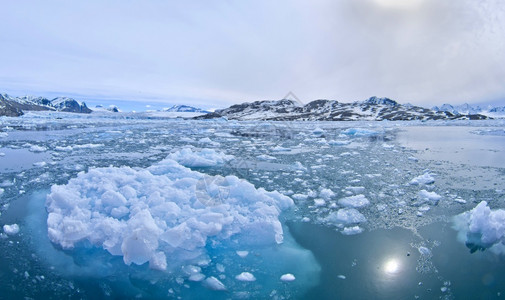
<point>146,215</point>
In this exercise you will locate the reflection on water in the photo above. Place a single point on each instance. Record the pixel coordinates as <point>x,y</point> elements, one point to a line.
<point>455,144</point>
<point>391,266</point>
<point>397,264</point>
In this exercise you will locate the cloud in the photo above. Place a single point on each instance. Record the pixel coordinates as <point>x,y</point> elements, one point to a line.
<point>218,53</point>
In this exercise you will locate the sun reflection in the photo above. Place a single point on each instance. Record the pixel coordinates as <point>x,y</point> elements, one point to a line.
<point>391,266</point>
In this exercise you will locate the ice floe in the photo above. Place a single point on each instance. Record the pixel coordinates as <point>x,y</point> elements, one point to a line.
<point>482,228</point>
<point>145,215</point>
<point>203,158</point>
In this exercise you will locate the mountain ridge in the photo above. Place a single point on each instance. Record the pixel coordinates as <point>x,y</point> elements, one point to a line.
<point>372,109</point>
<point>15,106</point>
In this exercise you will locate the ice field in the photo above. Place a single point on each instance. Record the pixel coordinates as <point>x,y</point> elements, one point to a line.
<point>106,206</point>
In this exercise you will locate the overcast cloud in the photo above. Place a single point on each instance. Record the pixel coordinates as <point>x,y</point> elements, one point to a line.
<point>216,53</point>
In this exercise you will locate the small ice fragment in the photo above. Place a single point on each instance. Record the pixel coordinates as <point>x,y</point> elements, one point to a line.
<point>443,289</point>
<point>1,191</point>
<point>326,194</point>
<point>346,216</point>
<point>242,253</point>
<point>352,230</point>
<point>213,283</point>
<point>459,200</point>
<point>319,202</point>
<point>288,277</point>
<point>318,131</point>
<point>424,208</point>
<point>40,164</point>
<point>355,189</point>
<point>220,268</point>
<point>424,251</point>
<point>341,276</point>
<point>197,277</point>
<point>429,196</point>
<point>36,148</point>
<point>245,276</point>
<point>354,201</point>
<point>11,229</point>
<point>299,197</point>
<point>305,219</point>
<point>425,179</point>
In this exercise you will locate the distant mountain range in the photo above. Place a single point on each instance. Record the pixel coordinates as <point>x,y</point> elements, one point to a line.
<point>465,109</point>
<point>15,106</point>
<point>184,108</point>
<point>373,109</point>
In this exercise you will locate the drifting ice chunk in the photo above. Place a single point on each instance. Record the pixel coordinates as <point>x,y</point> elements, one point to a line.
<point>11,229</point>
<point>242,253</point>
<point>346,216</point>
<point>36,148</point>
<point>204,158</point>
<point>424,251</point>
<point>147,215</point>
<point>338,143</point>
<point>245,276</point>
<point>288,277</point>
<point>482,228</point>
<point>354,201</point>
<point>354,189</point>
<point>326,194</point>
<point>213,283</point>
<point>426,178</point>
<point>432,197</point>
<point>359,132</point>
<point>352,230</point>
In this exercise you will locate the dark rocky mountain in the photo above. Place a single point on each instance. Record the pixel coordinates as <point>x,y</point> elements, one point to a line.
<point>373,109</point>
<point>15,106</point>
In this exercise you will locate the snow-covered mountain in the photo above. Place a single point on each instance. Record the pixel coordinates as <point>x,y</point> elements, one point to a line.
<point>101,108</point>
<point>373,109</point>
<point>465,109</point>
<point>14,106</point>
<point>184,108</point>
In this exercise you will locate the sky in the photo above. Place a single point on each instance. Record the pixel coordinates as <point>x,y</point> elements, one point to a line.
<point>212,54</point>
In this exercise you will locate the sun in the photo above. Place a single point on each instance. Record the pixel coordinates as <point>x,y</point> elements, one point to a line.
<point>398,4</point>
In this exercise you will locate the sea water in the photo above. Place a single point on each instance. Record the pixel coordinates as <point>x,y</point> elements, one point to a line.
<point>372,213</point>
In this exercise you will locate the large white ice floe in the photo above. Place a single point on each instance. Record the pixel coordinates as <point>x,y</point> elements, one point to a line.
<point>154,215</point>
<point>203,158</point>
<point>482,228</point>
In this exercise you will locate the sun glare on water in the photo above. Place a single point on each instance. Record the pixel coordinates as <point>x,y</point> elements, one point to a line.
<point>391,266</point>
